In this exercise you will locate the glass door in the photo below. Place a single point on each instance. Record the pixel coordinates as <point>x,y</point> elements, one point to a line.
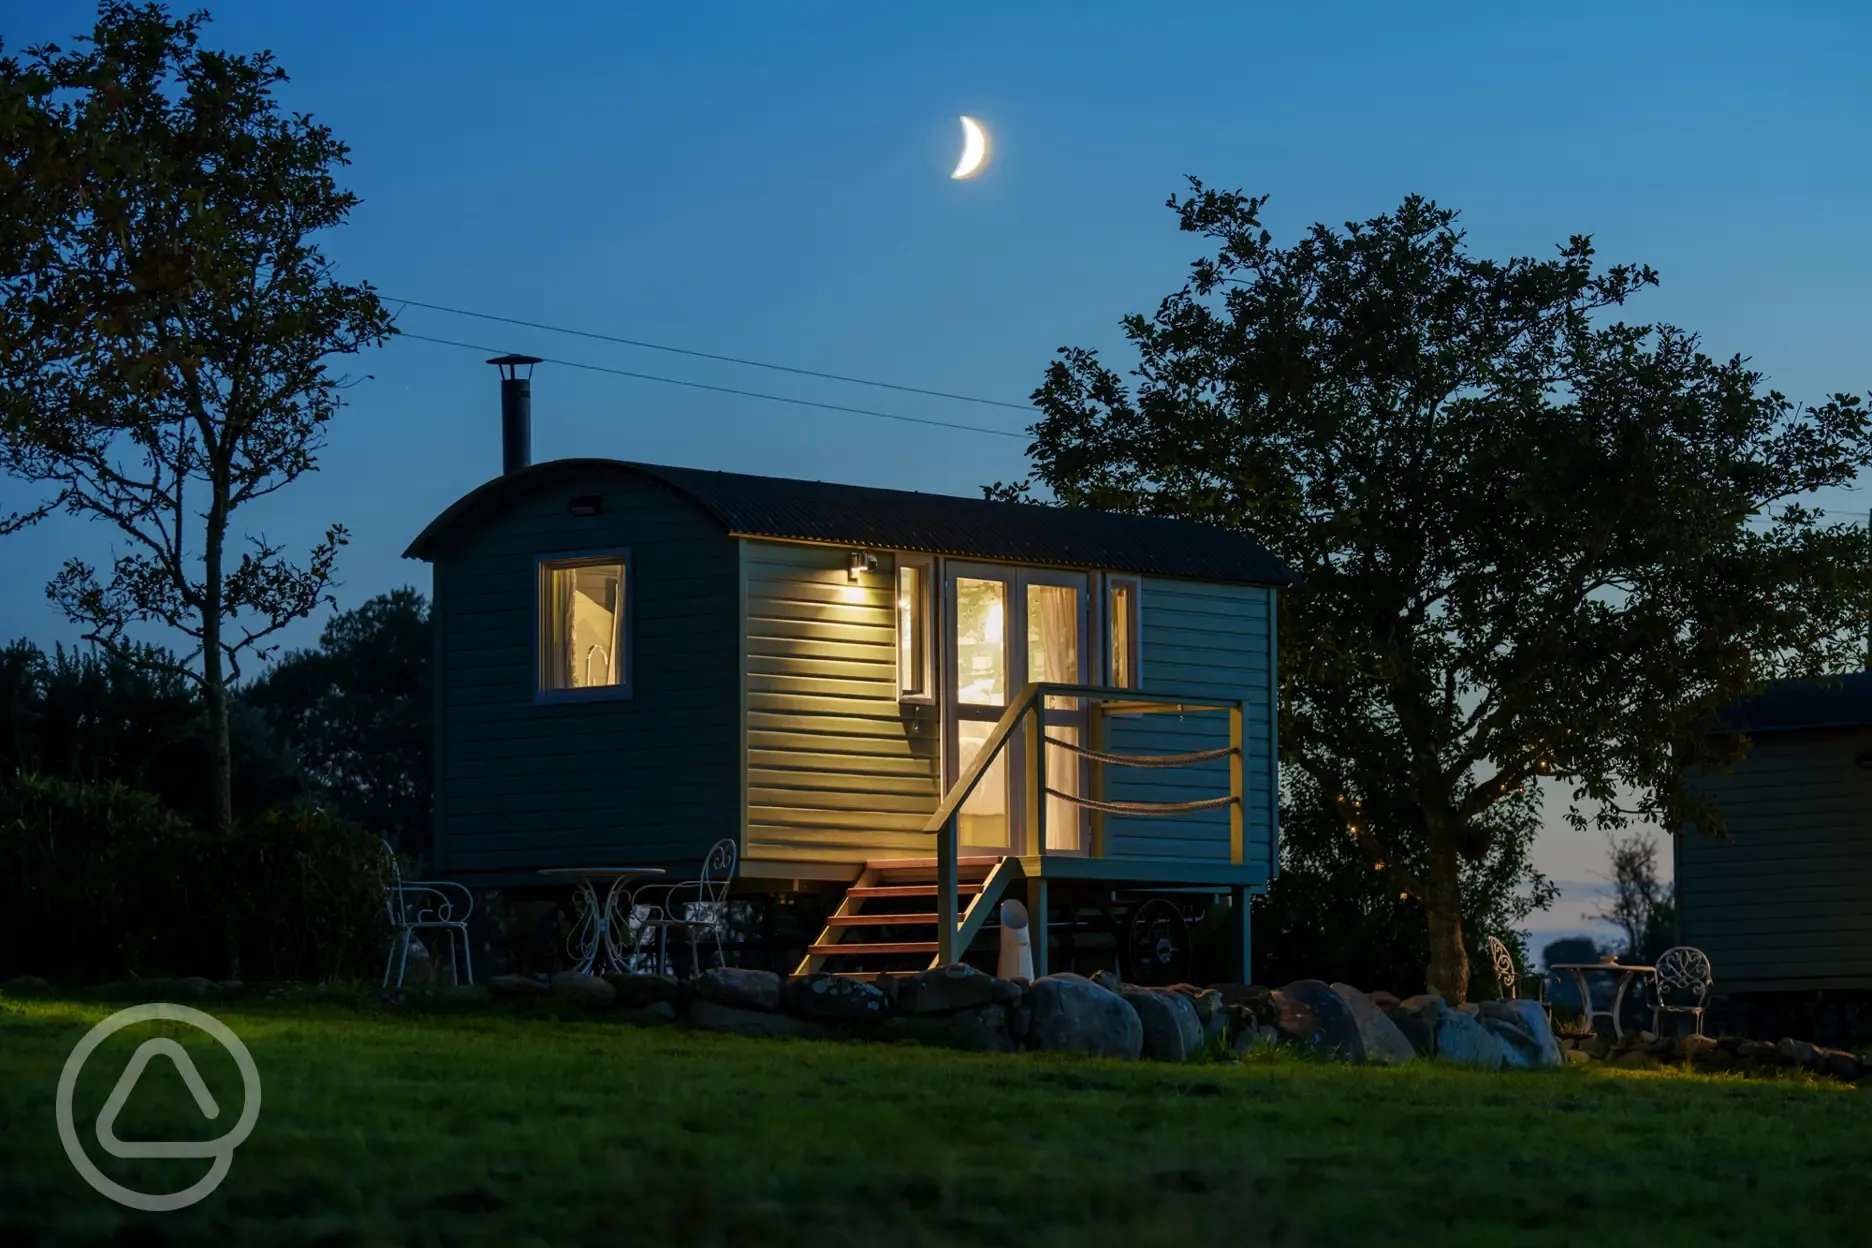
<point>1009,626</point>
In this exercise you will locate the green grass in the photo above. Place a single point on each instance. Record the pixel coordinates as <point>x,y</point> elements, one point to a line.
<point>494,1127</point>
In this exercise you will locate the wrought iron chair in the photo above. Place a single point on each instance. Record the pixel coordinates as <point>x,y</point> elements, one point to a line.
<point>1682,972</point>
<point>697,909</point>
<point>418,905</point>
<point>1509,980</point>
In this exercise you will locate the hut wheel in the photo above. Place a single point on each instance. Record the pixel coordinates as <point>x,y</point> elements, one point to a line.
<point>1157,943</point>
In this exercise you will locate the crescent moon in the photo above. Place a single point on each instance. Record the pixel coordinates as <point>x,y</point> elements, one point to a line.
<point>974,149</point>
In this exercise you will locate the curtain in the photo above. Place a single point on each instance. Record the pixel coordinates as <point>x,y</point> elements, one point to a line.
<point>1053,655</point>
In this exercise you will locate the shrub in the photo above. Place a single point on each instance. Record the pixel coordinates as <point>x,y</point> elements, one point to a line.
<point>102,882</point>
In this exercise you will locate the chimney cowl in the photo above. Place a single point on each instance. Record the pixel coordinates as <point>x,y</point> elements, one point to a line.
<point>516,410</point>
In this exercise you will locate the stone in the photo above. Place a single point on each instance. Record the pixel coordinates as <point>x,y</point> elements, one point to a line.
<point>1385,1044</point>
<point>1417,1018</point>
<point>837,998</point>
<point>516,986</point>
<point>1074,1015</point>
<point>1578,1057</point>
<point>1216,1030</point>
<point>1461,1040</point>
<point>712,1015</point>
<point>745,990</point>
<point>1109,982</point>
<point>1471,1009</point>
<point>637,989</point>
<point>1251,1000</point>
<point>582,988</point>
<point>1386,1001</point>
<point>1595,1047</point>
<point>1526,1026</point>
<point>197,986</point>
<point>982,1029</point>
<point>1636,1059</point>
<point>1515,1043</point>
<point>1204,999</point>
<point>25,986</point>
<point>464,994</point>
<point>1172,1032</point>
<point>957,986</point>
<point>1840,1064</point>
<point>1756,1050</point>
<point>1254,1038</point>
<point>655,1012</point>
<point>1315,1017</point>
<point>1701,1050</point>
<point>1792,1052</point>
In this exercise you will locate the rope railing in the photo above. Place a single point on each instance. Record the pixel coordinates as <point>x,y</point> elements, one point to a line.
<point>1146,809</point>
<point>1141,760</point>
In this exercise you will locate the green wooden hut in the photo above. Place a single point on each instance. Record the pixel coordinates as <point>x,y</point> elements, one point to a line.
<point>873,692</point>
<point>1783,903</point>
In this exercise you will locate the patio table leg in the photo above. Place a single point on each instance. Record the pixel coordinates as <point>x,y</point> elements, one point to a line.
<point>591,929</point>
<point>610,923</point>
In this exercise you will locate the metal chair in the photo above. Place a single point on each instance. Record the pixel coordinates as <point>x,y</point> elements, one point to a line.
<point>417,905</point>
<point>1509,980</point>
<point>695,908</point>
<point>1684,970</point>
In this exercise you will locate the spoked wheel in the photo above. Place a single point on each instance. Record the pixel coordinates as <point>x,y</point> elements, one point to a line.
<point>1157,943</point>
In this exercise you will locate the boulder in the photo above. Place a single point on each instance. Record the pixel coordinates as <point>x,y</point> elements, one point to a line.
<point>1384,1044</point>
<point>1072,1014</point>
<point>516,986</point>
<point>838,998</point>
<point>745,990</point>
<point>1417,1018</point>
<point>713,1015</point>
<point>636,990</point>
<point>1525,1026</point>
<point>1578,1057</point>
<point>582,988</point>
<point>982,1029</point>
<point>655,1012</point>
<point>1252,1000</point>
<point>957,986</point>
<point>1516,1043</point>
<point>1462,1040</point>
<point>1701,1050</point>
<point>1386,1001</point>
<point>1792,1052</point>
<point>1315,1017</point>
<point>25,986</point>
<point>1254,1038</point>
<point>1172,1032</point>
<point>198,986</point>
<point>1838,1063</point>
<point>1109,982</point>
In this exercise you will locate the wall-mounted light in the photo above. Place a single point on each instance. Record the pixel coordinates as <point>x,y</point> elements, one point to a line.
<point>862,561</point>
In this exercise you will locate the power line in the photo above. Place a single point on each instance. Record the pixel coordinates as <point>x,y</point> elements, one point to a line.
<point>746,394</point>
<point>709,355</point>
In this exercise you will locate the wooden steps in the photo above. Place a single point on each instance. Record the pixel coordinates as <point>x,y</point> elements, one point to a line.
<point>865,936</point>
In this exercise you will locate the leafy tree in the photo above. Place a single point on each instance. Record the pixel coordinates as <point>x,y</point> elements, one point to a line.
<point>356,711</point>
<point>1533,540</point>
<point>167,323</point>
<point>1642,907</point>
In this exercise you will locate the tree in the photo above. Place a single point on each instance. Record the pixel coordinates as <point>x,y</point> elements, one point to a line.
<point>1642,907</point>
<point>356,711</point>
<point>167,322</point>
<point>1533,540</point>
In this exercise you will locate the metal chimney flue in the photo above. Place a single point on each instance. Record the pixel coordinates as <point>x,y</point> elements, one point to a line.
<point>516,410</point>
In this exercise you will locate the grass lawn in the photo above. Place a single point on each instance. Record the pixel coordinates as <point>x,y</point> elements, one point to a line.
<point>491,1127</point>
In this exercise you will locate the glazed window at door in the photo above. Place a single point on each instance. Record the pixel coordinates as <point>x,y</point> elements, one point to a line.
<point>582,633</point>
<point>1053,627</point>
<point>981,642</point>
<point>915,644</point>
<point>1121,613</point>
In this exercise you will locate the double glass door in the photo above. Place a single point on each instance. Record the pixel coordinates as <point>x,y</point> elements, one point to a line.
<point>1007,627</point>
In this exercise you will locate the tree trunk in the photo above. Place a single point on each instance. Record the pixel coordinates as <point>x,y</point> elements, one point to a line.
<point>214,671</point>
<point>1448,973</point>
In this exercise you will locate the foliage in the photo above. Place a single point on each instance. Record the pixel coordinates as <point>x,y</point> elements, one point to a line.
<point>99,717</point>
<point>1642,907</point>
<point>1330,915</point>
<point>356,712</point>
<point>497,1128</point>
<point>167,323</point>
<point>102,881</point>
<point>1531,540</point>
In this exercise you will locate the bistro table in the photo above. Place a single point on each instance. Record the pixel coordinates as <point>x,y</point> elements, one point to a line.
<point>600,921</point>
<point>1626,971</point>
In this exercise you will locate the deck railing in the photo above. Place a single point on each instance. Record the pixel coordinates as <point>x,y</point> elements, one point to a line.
<point>1026,714</point>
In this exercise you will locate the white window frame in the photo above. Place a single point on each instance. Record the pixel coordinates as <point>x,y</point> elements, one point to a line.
<point>1134,648</point>
<point>625,688</point>
<point>931,635</point>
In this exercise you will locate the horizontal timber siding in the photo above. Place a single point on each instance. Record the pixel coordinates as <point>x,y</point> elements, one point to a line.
<point>1199,640</point>
<point>1785,902</point>
<point>837,770</point>
<point>651,779</point>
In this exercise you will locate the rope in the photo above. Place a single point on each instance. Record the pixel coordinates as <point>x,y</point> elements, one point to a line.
<point>1143,760</point>
<point>1147,809</point>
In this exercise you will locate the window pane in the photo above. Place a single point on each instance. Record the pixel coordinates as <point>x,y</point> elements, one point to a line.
<point>581,626</point>
<point>982,823</point>
<point>1123,603</point>
<point>912,629</point>
<point>981,642</point>
<point>1053,634</point>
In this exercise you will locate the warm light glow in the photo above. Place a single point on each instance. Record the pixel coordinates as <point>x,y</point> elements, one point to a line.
<point>974,149</point>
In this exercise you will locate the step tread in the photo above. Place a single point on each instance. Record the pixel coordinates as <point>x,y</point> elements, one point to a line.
<point>845,949</point>
<point>928,864</point>
<point>879,920</point>
<point>905,890</point>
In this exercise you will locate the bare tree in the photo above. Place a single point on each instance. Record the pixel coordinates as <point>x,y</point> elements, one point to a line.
<point>166,323</point>
<point>1642,905</point>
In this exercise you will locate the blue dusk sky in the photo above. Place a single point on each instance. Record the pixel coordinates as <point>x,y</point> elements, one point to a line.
<point>770,181</point>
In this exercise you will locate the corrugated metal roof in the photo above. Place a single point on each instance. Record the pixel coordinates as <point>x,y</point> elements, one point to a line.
<point>941,524</point>
<point>1843,701</point>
